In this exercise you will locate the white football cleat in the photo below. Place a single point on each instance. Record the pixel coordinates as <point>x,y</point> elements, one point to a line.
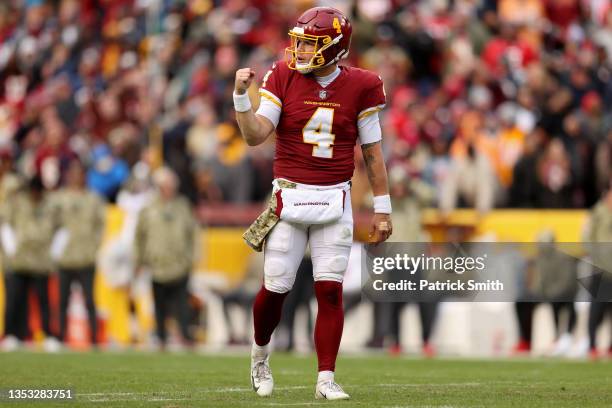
<point>261,377</point>
<point>329,390</point>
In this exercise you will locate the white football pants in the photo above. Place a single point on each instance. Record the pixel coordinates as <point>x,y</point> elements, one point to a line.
<point>330,246</point>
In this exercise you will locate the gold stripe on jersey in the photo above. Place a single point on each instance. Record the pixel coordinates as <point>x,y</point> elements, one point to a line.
<point>367,112</point>
<point>270,96</point>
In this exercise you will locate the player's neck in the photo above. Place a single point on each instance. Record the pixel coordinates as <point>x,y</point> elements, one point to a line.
<point>321,72</point>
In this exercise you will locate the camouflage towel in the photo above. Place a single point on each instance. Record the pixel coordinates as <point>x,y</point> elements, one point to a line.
<point>256,234</point>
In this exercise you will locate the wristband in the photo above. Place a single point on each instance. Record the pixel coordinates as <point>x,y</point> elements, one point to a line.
<point>242,103</point>
<point>382,204</point>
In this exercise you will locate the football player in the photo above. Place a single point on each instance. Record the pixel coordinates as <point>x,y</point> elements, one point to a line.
<point>319,110</point>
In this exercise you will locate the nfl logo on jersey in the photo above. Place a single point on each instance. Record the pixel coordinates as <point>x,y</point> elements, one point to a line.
<point>322,94</point>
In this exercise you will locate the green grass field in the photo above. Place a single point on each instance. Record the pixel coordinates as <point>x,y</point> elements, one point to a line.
<point>197,380</point>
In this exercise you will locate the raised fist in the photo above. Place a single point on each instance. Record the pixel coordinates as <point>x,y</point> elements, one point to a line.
<point>244,77</point>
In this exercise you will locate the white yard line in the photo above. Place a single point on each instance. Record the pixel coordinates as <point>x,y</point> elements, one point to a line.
<point>465,384</point>
<point>168,396</point>
<point>417,406</point>
<point>180,396</point>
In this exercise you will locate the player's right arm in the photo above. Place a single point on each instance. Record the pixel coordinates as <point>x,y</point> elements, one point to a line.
<point>255,128</point>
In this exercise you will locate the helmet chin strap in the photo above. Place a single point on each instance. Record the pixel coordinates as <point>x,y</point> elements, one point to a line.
<point>307,69</point>
<point>303,68</point>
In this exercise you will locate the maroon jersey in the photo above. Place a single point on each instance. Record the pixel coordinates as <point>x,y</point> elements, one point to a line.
<point>317,130</point>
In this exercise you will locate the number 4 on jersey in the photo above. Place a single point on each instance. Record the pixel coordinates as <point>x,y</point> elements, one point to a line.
<point>318,131</point>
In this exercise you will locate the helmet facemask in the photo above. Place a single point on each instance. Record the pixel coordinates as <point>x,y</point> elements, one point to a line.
<point>316,58</point>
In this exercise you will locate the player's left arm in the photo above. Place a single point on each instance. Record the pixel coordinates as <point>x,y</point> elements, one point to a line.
<point>381,226</point>
<point>373,100</point>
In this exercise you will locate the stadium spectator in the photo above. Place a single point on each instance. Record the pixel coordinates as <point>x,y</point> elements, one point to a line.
<point>471,180</point>
<point>53,155</point>
<point>231,167</point>
<point>524,188</point>
<point>201,136</point>
<point>260,159</point>
<point>508,142</point>
<point>80,218</point>
<point>506,51</point>
<point>175,151</point>
<point>437,168</point>
<point>603,34</point>
<point>603,164</point>
<point>555,177</point>
<point>107,173</point>
<point>206,191</point>
<point>165,245</point>
<point>9,181</point>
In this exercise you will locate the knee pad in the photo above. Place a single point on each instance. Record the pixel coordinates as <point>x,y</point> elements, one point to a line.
<point>277,276</point>
<point>338,264</point>
<point>332,258</point>
<point>333,269</point>
<point>275,287</point>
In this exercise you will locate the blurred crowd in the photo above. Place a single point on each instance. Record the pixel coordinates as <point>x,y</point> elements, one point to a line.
<point>492,103</point>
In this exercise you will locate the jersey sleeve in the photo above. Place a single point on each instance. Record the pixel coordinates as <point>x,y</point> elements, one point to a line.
<point>369,129</point>
<point>373,98</point>
<point>272,86</point>
<point>269,110</point>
